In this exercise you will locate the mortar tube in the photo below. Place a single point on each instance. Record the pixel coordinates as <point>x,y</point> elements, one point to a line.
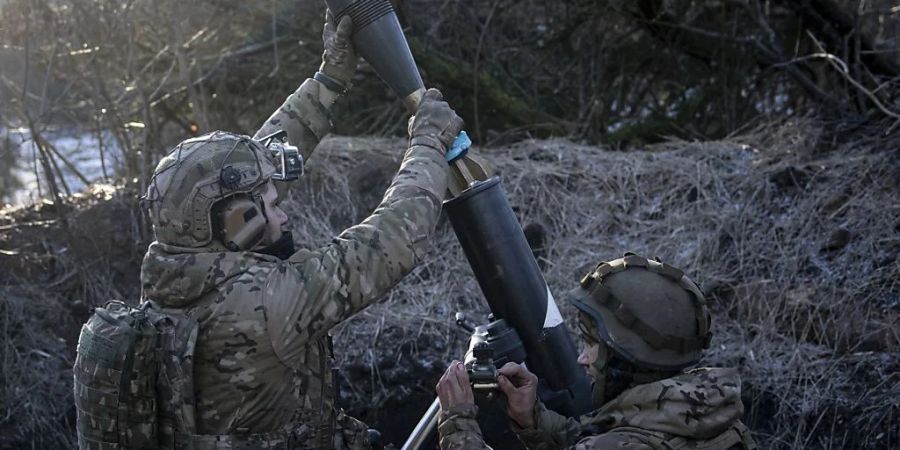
<point>503,263</point>
<point>378,37</point>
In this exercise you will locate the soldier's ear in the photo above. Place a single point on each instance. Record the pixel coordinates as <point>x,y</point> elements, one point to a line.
<point>241,223</point>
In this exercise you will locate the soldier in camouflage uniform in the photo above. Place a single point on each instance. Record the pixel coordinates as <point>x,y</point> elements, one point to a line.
<point>643,323</point>
<point>262,361</point>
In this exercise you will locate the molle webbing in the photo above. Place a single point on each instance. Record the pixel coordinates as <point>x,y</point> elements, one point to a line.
<point>175,379</point>
<point>268,441</point>
<point>657,340</point>
<point>114,380</point>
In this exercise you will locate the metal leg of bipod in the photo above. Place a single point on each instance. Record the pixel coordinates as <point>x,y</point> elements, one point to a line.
<point>423,429</point>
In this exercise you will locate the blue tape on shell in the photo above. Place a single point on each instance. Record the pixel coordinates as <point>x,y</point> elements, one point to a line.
<point>459,147</point>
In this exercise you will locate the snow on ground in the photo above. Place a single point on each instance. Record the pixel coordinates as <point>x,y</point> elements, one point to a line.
<point>80,148</point>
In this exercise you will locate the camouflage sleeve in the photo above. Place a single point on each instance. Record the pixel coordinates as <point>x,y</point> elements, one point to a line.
<point>458,429</point>
<point>305,119</point>
<point>550,430</point>
<point>315,290</point>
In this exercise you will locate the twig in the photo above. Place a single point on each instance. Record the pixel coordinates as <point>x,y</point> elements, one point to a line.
<point>35,223</point>
<point>65,160</point>
<point>475,64</point>
<point>276,53</point>
<point>841,67</point>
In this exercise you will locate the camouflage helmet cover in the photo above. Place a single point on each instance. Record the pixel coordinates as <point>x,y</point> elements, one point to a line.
<point>648,312</point>
<point>194,176</point>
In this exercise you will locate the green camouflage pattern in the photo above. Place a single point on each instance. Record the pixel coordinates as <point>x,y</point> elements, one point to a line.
<point>114,380</point>
<point>700,409</point>
<point>262,362</point>
<point>186,183</point>
<point>458,429</point>
<point>305,120</point>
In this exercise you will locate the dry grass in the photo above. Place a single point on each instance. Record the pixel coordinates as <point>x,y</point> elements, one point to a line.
<point>47,284</point>
<point>35,371</point>
<point>809,314</point>
<point>809,319</point>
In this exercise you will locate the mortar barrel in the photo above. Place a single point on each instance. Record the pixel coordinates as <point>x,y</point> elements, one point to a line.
<point>513,285</point>
<point>378,38</point>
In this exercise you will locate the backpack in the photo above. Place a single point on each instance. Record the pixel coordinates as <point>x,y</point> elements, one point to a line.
<point>134,377</point>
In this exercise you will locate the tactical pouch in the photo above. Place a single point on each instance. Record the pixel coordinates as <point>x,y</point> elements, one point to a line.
<point>115,379</point>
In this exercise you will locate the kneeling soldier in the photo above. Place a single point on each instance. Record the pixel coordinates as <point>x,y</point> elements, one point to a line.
<point>643,323</point>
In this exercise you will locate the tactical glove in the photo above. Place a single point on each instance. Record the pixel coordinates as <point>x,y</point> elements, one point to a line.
<point>339,58</point>
<point>435,124</point>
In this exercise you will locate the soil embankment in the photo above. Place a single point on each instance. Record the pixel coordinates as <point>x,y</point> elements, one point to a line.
<point>796,246</point>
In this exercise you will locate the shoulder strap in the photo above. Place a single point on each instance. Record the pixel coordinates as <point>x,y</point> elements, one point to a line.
<point>746,438</point>
<point>175,382</point>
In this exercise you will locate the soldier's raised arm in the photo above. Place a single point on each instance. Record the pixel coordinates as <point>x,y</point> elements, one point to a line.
<point>314,290</point>
<point>305,116</point>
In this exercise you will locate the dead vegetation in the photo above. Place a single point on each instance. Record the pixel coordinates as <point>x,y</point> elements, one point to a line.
<point>791,224</point>
<point>802,271</point>
<point>52,272</point>
<point>145,74</point>
<point>798,251</point>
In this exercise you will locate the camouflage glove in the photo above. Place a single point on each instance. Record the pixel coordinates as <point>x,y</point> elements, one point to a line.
<point>435,125</point>
<point>339,58</point>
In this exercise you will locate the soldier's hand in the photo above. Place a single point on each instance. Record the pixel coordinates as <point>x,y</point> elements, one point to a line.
<point>453,388</point>
<point>520,387</point>
<point>435,124</point>
<point>339,58</point>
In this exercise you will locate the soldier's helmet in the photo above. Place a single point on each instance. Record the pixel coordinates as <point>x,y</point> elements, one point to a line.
<point>647,312</point>
<point>195,176</point>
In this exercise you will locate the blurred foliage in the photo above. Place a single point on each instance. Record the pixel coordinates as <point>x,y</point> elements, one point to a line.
<point>617,72</point>
<point>624,73</point>
<point>8,180</point>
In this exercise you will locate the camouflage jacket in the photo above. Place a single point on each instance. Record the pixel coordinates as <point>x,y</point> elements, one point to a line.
<point>700,409</point>
<point>262,361</point>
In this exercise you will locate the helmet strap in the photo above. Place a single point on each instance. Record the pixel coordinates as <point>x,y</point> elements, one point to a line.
<point>621,375</point>
<point>613,374</point>
<point>261,204</point>
<point>283,248</point>
<point>618,378</point>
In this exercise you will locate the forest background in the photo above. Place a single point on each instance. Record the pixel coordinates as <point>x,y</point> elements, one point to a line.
<point>754,143</point>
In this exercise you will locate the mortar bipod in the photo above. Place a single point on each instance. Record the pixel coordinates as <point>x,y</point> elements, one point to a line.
<point>502,345</point>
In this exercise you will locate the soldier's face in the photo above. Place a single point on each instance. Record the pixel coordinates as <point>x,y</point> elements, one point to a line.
<point>277,217</point>
<point>589,353</point>
<point>592,357</point>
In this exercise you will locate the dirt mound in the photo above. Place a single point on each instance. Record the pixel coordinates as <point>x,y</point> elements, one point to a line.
<point>798,250</point>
